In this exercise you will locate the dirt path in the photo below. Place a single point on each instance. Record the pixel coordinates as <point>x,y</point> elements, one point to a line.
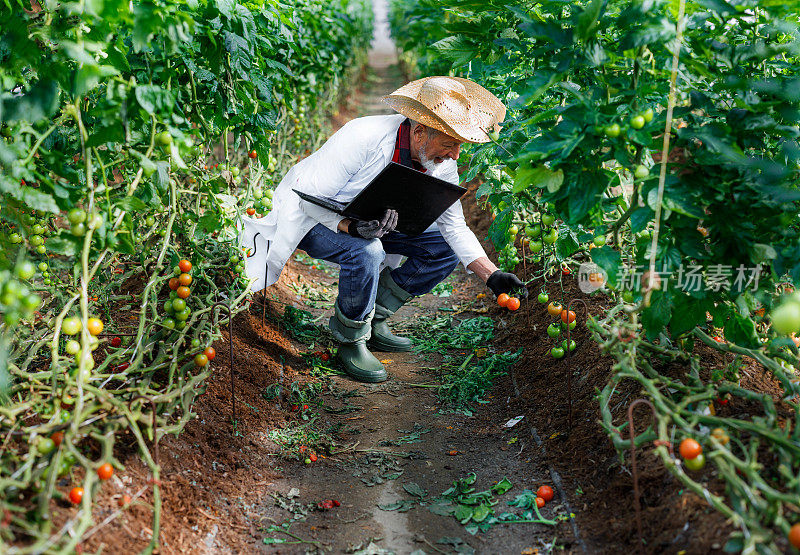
<point>431,450</point>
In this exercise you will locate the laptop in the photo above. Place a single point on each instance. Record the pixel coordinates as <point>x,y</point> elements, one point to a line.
<point>418,198</point>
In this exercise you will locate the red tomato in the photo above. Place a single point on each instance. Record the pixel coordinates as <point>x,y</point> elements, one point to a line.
<point>545,492</point>
<point>124,500</point>
<point>76,495</point>
<point>794,535</point>
<point>251,211</point>
<point>185,266</point>
<point>512,304</point>
<point>689,448</point>
<point>183,291</point>
<point>185,279</point>
<point>335,502</point>
<point>57,438</point>
<point>210,353</point>
<point>540,502</point>
<point>325,357</point>
<point>313,457</point>
<point>305,407</point>
<point>116,341</point>
<point>174,283</point>
<point>253,154</point>
<point>567,316</point>
<point>722,401</point>
<point>105,471</point>
<point>124,366</point>
<point>200,359</point>
<point>565,270</point>
<point>502,299</point>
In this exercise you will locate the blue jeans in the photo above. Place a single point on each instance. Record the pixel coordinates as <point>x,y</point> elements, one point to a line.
<point>429,260</point>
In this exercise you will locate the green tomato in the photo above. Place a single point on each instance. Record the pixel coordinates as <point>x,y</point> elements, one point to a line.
<point>150,221</point>
<point>47,282</point>
<point>553,330</point>
<point>15,238</point>
<point>696,463</point>
<point>183,315</point>
<point>627,296</point>
<point>235,171</point>
<point>169,306</point>
<point>536,246</point>
<point>78,230</point>
<point>38,229</point>
<point>533,231</point>
<point>71,325</point>
<point>163,138</point>
<point>238,269</point>
<point>637,122</point>
<point>180,325</point>
<point>648,115</point>
<point>268,193</point>
<point>613,130</point>
<point>571,325</point>
<point>45,446</point>
<point>173,295</point>
<point>572,345</point>
<point>178,304</point>
<point>168,323</point>
<point>95,221</point>
<point>557,352</point>
<point>548,220</point>
<point>25,270</point>
<point>550,237</point>
<point>76,216</point>
<point>195,343</point>
<point>641,172</point>
<point>36,240</point>
<point>258,194</point>
<point>786,318</point>
<point>599,241</point>
<point>543,297</point>
<point>31,302</point>
<point>513,230</point>
<point>40,249</point>
<point>643,235</point>
<point>43,266</point>
<point>72,347</point>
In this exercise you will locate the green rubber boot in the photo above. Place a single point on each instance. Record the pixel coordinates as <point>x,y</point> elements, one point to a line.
<point>352,335</point>
<point>389,299</point>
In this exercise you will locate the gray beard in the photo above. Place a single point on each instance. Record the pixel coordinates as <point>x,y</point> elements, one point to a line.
<point>426,162</point>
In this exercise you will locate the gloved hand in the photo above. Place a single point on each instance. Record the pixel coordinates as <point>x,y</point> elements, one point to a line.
<point>374,229</point>
<point>503,282</point>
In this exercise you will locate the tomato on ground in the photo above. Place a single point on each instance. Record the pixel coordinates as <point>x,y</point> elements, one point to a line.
<point>76,495</point>
<point>690,449</point>
<point>313,457</point>
<point>185,266</point>
<point>545,492</point>
<point>502,299</point>
<point>540,502</point>
<point>105,471</point>
<point>125,499</point>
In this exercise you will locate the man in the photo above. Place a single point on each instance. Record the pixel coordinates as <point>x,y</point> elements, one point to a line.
<point>436,116</point>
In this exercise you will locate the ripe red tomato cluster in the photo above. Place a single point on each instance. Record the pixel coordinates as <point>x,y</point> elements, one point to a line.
<point>328,504</point>
<point>506,301</point>
<point>544,495</point>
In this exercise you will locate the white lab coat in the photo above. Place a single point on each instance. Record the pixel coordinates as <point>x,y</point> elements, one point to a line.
<point>339,170</point>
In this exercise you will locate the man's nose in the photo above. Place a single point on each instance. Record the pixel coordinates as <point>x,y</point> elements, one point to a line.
<point>454,152</point>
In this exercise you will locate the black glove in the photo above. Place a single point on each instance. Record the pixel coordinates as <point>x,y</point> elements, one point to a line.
<point>503,282</point>
<point>374,229</point>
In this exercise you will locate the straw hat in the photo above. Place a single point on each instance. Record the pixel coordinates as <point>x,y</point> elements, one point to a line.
<point>458,107</point>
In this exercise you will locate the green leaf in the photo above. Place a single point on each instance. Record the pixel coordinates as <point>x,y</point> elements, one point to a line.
<point>131,204</point>
<point>587,19</point>
<point>502,486</point>
<point>153,99</point>
<point>442,508</point>
<point>414,489</point>
<point>40,102</point>
<point>687,313</point>
<point>498,231</point>
<point>741,330</point>
<point>541,176</point>
<point>463,513</point>
<point>457,49</point>
<point>640,218</point>
<point>567,243</point>
<point>64,243</point>
<point>656,316</point>
<point>31,197</point>
<point>609,260</point>
<point>480,513</point>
